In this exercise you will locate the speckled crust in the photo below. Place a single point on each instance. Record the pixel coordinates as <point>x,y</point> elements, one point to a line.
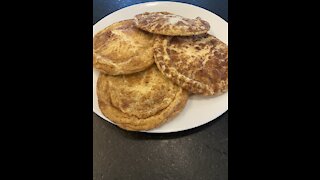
<point>198,64</point>
<point>140,101</point>
<point>122,49</point>
<point>165,23</point>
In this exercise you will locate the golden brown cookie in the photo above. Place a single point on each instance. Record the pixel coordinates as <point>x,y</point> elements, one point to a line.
<point>122,49</point>
<point>140,101</point>
<point>166,23</point>
<point>198,64</point>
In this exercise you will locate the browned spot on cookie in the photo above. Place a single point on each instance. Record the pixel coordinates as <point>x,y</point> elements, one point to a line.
<point>202,45</point>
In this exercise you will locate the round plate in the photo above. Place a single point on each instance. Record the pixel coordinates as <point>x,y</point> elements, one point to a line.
<point>199,110</point>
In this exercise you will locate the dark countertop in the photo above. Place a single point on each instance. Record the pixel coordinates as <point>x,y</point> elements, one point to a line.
<point>200,153</point>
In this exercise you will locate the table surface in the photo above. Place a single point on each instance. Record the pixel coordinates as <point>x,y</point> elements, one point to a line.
<point>199,153</point>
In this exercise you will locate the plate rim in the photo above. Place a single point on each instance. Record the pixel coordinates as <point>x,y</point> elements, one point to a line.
<point>161,2</point>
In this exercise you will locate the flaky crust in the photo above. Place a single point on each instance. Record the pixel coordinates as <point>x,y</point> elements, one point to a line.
<point>140,101</point>
<point>198,64</point>
<point>122,49</point>
<point>165,23</point>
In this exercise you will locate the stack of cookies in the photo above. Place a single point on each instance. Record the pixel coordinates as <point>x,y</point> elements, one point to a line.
<point>151,64</point>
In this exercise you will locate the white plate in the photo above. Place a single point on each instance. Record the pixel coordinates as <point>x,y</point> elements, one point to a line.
<point>199,110</point>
